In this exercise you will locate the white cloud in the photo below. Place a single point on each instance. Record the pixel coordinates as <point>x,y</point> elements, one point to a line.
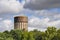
<point>33,23</point>
<point>0,19</point>
<point>10,6</point>
<point>54,23</point>
<point>42,24</point>
<point>53,15</point>
<point>57,16</point>
<point>31,28</point>
<point>6,25</point>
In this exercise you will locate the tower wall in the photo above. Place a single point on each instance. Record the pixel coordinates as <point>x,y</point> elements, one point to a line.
<point>21,22</point>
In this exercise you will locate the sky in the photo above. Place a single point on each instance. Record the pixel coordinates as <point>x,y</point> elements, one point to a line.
<point>41,13</point>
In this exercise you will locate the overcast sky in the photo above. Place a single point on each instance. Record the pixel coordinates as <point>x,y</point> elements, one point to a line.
<point>40,13</point>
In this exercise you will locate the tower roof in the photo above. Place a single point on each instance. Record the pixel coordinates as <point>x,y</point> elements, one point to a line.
<point>21,16</point>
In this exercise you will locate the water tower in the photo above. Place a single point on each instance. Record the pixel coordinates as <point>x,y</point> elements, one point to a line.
<point>21,22</point>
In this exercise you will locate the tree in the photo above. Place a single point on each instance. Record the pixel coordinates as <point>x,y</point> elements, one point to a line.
<point>24,35</point>
<point>37,37</point>
<point>30,36</point>
<point>10,38</point>
<point>50,32</point>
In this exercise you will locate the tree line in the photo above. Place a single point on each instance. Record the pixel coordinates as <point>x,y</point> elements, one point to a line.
<point>51,33</point>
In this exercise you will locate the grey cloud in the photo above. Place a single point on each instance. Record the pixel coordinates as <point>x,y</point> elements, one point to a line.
<point>42,4</point>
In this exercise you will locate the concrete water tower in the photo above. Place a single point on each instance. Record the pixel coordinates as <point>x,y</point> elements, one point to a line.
<point>21,22</point>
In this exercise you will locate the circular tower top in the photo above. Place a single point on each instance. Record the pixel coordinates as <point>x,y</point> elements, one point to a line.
<point>21,19</point>
<point>21,16</point>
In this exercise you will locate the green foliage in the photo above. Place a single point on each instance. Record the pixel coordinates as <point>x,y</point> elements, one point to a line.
<point>50,34</point>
